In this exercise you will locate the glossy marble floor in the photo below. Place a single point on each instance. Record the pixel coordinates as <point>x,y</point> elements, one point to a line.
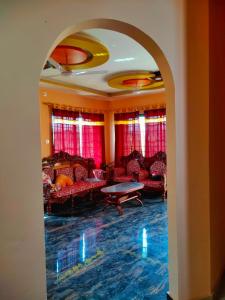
<point>100,255</point>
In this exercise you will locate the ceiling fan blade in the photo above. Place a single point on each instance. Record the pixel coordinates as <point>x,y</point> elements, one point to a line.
<point>82,73</point>
<point>56,65</point>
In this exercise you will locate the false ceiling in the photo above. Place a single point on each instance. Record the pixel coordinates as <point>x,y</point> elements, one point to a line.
<point>102,63</point>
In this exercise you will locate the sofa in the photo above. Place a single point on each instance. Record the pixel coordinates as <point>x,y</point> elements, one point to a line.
<point>79,173</point>
<point>128,167</point>
<point>150,171</point>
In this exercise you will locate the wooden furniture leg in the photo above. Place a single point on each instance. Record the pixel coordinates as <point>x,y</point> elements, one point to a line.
<point>49,207</point>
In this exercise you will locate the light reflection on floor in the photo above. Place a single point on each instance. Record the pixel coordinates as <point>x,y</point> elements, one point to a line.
<point>100,255</point>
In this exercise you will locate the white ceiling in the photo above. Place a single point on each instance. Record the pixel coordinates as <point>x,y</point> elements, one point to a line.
<point>125,55</point>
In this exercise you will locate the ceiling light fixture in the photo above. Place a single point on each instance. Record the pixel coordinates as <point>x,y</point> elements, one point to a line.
<point>124,59</point>
<point>136,80</point>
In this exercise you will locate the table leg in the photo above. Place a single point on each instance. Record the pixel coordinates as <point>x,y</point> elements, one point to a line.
<point>119,209</point>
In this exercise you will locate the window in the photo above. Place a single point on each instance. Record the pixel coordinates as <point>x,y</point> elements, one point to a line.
<point>142,132</point>
<point>79,134</point>
<point>145,132</point>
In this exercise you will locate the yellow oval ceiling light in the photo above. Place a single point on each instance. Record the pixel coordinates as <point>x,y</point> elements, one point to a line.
<point>136,81</point>
<point>80,52</point>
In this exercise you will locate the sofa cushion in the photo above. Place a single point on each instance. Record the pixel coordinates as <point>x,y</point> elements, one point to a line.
<point>68,171</point>
<point>97,184</point>
<point>133,167</point>
<point>63,180</point>
<point>158,168</point>
<point>72,190</point>
<point>123,178</point>
<point>119,171</point>
<point>157,185</point>
<point>77,188</point>
<point>143,174</point>
<point>80,173</point>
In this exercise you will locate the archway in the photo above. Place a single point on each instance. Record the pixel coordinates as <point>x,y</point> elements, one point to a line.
<point>149,44</point>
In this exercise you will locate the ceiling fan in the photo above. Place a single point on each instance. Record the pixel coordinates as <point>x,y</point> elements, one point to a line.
<point>51,63</point>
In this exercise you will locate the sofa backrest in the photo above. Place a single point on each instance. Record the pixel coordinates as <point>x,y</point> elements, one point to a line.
<point>68,171</point>
<point>50,172</point>
<point>80,172</point>
<point>63,160</point>
<point>135,155</point>
<point>158,168</point>
<point>133,166</point>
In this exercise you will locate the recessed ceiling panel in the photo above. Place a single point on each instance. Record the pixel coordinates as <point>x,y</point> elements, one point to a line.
<point>125,55</point>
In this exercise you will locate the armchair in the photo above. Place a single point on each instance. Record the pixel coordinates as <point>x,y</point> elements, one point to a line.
<point>128,168</point>
<point>155,179</point>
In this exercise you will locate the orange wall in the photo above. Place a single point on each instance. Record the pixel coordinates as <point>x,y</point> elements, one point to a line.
<point>71,99</point>
<point>138,101</point>
<point>61,97</point>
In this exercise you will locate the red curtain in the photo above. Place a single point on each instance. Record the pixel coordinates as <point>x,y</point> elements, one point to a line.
<point>93,140</point>
<point>155,131</point>
<point>127,134</point>
<point>65,132</point>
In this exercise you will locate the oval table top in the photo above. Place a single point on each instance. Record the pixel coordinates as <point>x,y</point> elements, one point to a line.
<point>123,188</point>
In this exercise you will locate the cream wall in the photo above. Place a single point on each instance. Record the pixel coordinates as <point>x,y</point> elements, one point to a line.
<point>29,29</point>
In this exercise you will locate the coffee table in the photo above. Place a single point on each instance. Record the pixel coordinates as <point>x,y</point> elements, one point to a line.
<point>122,192</point>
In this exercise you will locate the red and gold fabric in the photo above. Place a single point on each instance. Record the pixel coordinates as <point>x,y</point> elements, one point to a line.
<point>153,184</point>
<point>158,168</point>
<point>80,173</point>
<point>155,131</point>
<point>65,171</point>
<point>133,167</point>
<point>77,188</point>
<point>127,134</point>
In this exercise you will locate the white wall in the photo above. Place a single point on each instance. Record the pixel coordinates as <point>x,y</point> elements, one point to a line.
<point>28,30</point>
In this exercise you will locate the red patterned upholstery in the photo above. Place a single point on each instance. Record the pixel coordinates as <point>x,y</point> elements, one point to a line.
<point>98,184</point>
<point>77,188</point>
<point>123,178</point>
<point>46,179</point>
<point>143,174</point>
<point>119,171</point>
<point>153,184</point>
<point>70,190</point>
<point>133,167</point>
<point>80,173</point>
<point>158,168</point>
<point>75,167</point>
<point>151,171</point>
<point>49,172</point>
<point>68,171</point>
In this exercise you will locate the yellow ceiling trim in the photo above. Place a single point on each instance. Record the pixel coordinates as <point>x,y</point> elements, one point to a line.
<point>99,52</point>
<point>117,81</point>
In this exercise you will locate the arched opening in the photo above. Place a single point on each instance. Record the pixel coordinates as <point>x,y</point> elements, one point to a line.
<point>161,60</point>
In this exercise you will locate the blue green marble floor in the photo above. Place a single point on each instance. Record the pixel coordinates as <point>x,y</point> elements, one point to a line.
<point>100,255</point>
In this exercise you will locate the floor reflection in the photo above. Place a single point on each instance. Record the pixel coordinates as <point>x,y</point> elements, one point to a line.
<point>144,243</point>
<point>104,256</point>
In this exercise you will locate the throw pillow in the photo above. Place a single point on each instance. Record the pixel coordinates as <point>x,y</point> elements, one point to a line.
<point>63,180</point>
